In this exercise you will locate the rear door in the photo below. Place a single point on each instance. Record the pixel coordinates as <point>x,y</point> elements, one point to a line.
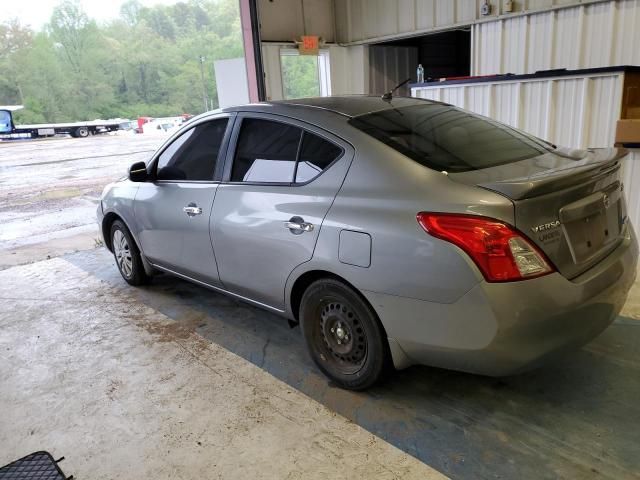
<point>173,211</point>
<point>280,181</point>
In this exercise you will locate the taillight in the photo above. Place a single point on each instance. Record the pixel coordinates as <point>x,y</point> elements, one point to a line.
<point>501,252</point>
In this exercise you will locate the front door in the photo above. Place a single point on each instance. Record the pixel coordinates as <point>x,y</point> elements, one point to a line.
<point>173,212</point>
<point>268,213</point>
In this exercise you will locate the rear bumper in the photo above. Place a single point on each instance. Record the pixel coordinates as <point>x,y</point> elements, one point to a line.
<point>500,329</point>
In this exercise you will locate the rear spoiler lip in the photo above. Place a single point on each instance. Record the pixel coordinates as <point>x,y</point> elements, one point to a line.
<point>519,189</point>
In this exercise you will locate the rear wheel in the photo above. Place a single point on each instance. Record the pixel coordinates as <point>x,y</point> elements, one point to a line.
<point>343,334</point>
<point>81,132</point>
<point>127,255</point>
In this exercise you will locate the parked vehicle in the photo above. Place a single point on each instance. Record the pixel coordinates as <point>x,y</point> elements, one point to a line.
<point>76,129</point>
<point>394,231</point>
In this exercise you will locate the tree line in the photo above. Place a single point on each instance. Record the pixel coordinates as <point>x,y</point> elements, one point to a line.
<point>150,61</point>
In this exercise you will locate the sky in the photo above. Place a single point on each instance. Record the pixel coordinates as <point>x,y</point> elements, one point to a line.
<point>37,12</point>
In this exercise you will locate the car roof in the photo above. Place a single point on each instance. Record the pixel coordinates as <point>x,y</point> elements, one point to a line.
<point>346,105</point>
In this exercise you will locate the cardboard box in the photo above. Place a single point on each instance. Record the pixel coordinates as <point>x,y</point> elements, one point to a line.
<point>628,132</point>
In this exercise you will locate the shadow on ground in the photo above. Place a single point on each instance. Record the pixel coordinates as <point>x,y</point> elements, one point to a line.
<point>577,418</point>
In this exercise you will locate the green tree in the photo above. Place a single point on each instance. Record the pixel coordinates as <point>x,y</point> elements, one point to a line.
<point>300,76</point>
<point>14,38</point>
<point>143,63</point>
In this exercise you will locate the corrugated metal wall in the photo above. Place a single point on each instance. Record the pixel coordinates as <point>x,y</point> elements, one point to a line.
<point>286,20</point>
<point>373,20</point>
<point>577,111</point>
<point>586,36</point>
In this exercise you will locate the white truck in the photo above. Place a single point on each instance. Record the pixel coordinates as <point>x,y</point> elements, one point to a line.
<point>78,129</point>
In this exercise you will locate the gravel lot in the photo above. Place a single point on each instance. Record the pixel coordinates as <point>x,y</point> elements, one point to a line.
<point>49,190</point>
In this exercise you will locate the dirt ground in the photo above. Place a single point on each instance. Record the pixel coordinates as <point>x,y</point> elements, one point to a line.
<point>49,191</point>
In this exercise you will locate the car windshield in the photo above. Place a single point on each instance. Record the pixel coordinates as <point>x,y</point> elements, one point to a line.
<point>446,138</point>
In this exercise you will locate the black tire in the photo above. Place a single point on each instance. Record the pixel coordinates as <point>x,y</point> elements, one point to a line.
<point>81,132</point>
<point>343,335</point>
<point>127,255</point>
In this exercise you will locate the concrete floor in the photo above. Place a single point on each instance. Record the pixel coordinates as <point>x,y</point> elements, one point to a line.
<point>174,381</point>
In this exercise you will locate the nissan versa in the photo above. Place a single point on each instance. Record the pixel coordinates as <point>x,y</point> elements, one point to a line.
<point>394,231</point>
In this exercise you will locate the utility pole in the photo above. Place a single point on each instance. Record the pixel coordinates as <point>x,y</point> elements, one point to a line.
<point>204,87</point>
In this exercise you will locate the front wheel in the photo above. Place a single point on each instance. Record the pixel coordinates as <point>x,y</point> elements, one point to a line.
<point>343,334</point>
<point>127,255</point>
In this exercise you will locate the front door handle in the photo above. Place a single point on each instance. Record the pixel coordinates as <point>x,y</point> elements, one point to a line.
<point>297,225</point>
<point>192,210</point>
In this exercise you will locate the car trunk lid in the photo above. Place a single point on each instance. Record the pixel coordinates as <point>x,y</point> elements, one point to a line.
<point>568,202</point>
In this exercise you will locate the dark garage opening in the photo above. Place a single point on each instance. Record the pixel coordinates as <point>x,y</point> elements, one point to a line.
<point>446,54</point>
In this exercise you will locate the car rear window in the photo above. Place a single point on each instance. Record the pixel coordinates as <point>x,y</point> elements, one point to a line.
<point>449,139</point>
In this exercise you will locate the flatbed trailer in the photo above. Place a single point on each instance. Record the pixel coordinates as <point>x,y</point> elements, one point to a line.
<point>76,129</point>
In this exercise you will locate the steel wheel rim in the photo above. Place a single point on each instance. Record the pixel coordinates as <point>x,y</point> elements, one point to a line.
<point>122,253</point>
<point>343,340</point>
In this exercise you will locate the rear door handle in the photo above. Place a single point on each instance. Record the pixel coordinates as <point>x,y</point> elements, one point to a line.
<point>192,210</point>
<point>297,225</point>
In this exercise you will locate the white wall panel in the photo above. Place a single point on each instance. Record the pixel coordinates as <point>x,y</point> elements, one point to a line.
<point>478,99</point>
<point>576,111</point>
<point>626,46</point>
<point>597,39</point>
<point>540,40</point>
<point>514,38</point>
<point>505,104</point>
<point>429,94</point>
<point>487,55</point>
<point>444,12</point>
<point>284,20</point>
<point>568,24</point>
<point>406,15</point>
<point>605,106</point>
<point>587,36</point>
<point>534,101</point>
<point>455,96</point>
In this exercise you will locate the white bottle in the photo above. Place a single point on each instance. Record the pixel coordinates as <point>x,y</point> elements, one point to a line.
<point>420,74</point>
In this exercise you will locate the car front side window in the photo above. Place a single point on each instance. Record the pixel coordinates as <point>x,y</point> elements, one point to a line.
<point>194,154</point>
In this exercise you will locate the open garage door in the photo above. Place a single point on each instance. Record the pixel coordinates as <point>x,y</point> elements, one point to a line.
<point>446,54</point>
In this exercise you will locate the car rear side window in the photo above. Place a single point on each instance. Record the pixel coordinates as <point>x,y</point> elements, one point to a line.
<point>266,152</point>
<point>316,154</point>
<point>277,152</point>
<point>446,138</point>
<point>194,154</point>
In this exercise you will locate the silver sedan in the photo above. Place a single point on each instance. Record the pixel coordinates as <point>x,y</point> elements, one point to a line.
<point>393,231</point>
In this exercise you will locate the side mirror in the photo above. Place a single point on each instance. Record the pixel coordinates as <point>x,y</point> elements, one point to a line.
<point>138,172</point>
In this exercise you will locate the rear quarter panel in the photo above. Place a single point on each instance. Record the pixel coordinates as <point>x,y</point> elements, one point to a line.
<point>381,195</point>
